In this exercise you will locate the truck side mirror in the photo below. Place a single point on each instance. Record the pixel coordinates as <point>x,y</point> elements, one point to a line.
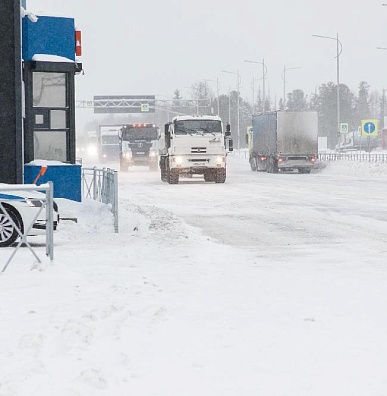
<point>230,145</point>
<point>228,130</point>
<point>166,127</point>
<point>247,138</point>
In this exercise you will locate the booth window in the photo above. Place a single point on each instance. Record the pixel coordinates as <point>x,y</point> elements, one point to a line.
<point>50,145</point>
<point>58,119</point>
<point>49,89</point>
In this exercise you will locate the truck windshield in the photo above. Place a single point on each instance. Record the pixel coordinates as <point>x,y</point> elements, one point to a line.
<point>139,133</point>
<point>192,127</point>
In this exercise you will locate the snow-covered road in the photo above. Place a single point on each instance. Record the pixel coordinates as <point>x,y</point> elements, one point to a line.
<point>271,285</point>
<point>268,212</point>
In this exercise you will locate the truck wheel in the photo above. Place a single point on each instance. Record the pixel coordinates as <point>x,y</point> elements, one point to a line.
<point>272,166</point>
<point>253,164</point>
<point>220,176</point>
<point>173,178</point>
<point>209,176</point>
<point>163,172</point>
<point>163,175</point>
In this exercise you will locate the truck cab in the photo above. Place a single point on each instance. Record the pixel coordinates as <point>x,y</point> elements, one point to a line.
<point>138,146</point>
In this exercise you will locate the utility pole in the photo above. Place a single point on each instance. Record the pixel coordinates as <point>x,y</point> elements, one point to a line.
<point>339,49</point>
<point>264,72</point>
<point>238,100</point>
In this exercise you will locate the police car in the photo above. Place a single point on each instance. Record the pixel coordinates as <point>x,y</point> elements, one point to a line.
<point>22,207</point>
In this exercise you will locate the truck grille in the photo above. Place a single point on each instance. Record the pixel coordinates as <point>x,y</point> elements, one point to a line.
<point>196,150</point>
<point>203,160</point>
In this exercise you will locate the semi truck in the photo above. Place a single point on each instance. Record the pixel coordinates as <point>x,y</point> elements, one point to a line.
<point>138,146</point>
<point>282,141</point>
<point>194,145</point>
<point>108,142</point>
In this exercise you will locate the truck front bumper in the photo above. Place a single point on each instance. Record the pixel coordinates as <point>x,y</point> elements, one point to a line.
<point>195,164</point>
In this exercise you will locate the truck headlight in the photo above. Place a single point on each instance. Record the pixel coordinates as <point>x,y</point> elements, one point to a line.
<point>219,160</point>
<point>178,160</point>
<point>92,150</point>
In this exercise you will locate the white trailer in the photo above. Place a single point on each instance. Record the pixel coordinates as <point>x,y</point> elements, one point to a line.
<point>284,141</point>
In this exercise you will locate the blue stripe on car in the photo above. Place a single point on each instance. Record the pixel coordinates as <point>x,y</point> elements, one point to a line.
<point>9,197</point>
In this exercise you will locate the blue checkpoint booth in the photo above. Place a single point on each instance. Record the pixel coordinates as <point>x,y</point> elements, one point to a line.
<point>66,178</point>
<point>49,69</point>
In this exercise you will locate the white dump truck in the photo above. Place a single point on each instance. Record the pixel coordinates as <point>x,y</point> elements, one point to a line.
<point>194,145</point>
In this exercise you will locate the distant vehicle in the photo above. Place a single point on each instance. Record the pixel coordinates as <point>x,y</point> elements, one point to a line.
<point>92,145</point>
<point>87,147</point>
<point>137,146</point>
<point>22,207</point>
<point>194,145</point>
<point>108,142</point>
<point>283,141</point>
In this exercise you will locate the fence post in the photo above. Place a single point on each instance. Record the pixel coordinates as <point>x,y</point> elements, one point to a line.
<point>116,201</point>
<point>49,221</point>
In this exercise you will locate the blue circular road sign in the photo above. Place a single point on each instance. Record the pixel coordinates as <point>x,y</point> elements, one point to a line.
<point>369,127</point>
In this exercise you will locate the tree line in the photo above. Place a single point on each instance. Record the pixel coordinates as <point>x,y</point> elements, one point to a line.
<point>354,107</point>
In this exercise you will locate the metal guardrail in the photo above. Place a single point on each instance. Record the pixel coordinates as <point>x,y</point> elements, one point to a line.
<point>102,185</point>
<point>48,203</point>
<point>242,153</point>
<point>348,156</point>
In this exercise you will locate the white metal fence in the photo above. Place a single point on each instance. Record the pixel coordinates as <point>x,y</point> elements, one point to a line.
<point>47,203</point>
<point>354,156</point>
<point>102,185</point>
<point>343,156</point>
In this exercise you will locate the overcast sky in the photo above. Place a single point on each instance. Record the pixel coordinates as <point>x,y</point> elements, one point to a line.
<point>155,47</point>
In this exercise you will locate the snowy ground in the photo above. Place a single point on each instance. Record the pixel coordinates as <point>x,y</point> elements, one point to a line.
<point>271,285</point>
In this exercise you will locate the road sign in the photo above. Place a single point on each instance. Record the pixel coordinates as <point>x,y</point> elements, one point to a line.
<point>144,107</point>
<point>124,104</point>
<point>344,128</point>
<point>369,127</point>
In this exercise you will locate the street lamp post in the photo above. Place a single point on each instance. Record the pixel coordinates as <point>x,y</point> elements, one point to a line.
<point>238,84</point>
<point>284,79</point>
<point>217,90</point>
<point>384,91</point>
<point>339,49</point>
<point>264,72</point>
<point>253,96</point>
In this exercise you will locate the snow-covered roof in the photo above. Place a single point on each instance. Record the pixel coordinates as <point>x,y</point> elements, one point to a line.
<point>50,58</point>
